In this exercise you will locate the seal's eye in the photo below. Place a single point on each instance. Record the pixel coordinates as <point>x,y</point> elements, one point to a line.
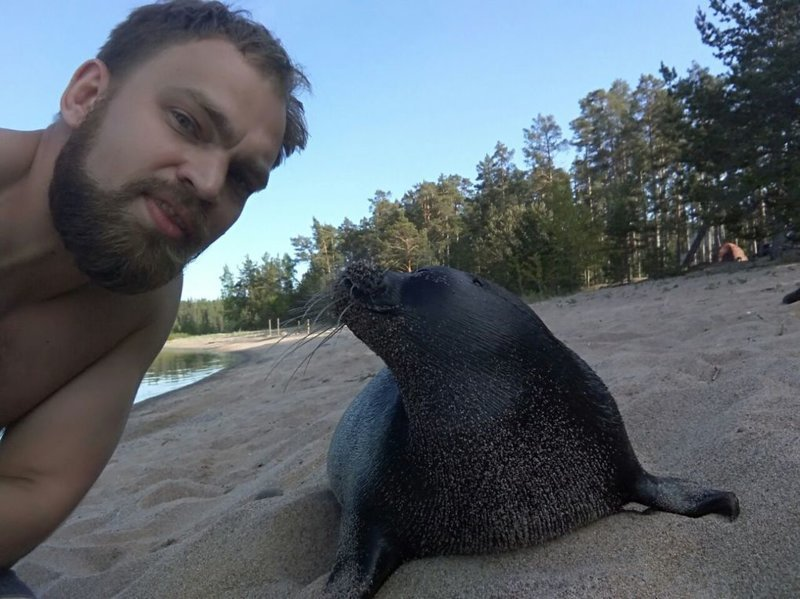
<point>477,282</point>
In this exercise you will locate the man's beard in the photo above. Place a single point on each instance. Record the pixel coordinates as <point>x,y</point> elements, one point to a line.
<point>98,228</point>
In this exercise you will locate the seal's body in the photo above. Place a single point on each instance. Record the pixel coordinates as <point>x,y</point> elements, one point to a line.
<point>484,432</point>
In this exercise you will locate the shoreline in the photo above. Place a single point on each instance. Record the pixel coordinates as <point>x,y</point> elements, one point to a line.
<point>242,346</point>
<point>231,342</point>
<point>221,342</point>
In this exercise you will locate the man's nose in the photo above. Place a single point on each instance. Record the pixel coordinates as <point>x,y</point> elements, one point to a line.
<point>205,171</point>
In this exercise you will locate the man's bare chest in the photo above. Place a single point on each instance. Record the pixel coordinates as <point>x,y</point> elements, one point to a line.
<point>45,344</point>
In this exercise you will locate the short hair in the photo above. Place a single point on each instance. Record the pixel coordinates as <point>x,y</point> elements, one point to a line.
<point>151,28</point>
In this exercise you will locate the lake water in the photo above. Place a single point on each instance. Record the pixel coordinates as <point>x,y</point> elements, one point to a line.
<point>173,369</point>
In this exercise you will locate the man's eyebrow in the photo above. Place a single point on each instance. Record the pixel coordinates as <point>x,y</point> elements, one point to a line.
<point>218,119</point>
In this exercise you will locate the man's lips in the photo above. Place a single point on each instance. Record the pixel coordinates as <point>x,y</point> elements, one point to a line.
<point>171,219</point>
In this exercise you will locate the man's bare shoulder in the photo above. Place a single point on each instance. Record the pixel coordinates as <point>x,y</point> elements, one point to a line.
<point>17,151</point>
<point>44,345</point>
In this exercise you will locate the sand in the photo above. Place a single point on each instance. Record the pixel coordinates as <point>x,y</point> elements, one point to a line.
<point>219,489</point>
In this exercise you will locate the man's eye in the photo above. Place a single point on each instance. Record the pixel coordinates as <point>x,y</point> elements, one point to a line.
<point>240,184</point>
<point>184,122</point>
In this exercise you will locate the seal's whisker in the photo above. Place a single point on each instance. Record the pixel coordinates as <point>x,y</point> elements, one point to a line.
<point>314,304</point>
<point>303,312</point>
<point>330,335</point>
<point>293,348</point>
<point>324,311</point>
<point>313,301</point>
<point>339,322</point>
<point>307,359</point>
<point>308,338</point>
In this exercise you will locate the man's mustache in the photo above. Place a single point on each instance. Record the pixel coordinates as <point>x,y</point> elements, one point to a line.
<point>192,212</point>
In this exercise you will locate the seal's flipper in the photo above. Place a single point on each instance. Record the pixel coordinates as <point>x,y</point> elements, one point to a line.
<point>791,298</point>
<point>684,497</point>
<point>362,564</point>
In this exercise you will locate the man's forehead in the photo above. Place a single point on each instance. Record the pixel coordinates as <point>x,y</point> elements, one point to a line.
<point>211,57</point>
<point>216,77</point>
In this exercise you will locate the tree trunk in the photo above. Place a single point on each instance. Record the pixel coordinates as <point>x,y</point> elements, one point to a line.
<point>698,239</point>
<point>776,248</point>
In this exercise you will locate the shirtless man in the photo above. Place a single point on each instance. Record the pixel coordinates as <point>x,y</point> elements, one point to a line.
<point>159,143</point>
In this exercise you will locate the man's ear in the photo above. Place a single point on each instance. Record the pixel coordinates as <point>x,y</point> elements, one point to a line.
<point>88,85</point>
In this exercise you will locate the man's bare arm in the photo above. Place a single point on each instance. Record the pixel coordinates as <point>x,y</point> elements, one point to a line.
<point>50,458</point>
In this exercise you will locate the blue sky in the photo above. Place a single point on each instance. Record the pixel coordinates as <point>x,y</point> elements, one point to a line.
<point>402,91</point>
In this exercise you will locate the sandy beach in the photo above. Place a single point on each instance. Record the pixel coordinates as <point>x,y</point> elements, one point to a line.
<point>219,489</point>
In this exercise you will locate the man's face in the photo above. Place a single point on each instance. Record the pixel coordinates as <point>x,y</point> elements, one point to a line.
<point>162,167</point>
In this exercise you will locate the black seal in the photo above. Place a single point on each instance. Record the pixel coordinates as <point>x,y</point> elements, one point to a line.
<point>483,433</point>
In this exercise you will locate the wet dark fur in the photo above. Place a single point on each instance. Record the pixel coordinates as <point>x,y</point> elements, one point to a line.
<point>484,432</point>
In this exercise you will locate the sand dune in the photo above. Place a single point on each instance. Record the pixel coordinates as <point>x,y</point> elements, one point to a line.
<point>219,489</point>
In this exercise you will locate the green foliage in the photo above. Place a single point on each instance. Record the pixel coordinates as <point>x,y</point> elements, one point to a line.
<point>260,293</point>
<point>399,243</point>
<point>199,317</point>
<point>742,154</point>
<point>436,209</point>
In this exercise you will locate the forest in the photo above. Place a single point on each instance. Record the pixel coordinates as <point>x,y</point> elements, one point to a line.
<point>664,172</point>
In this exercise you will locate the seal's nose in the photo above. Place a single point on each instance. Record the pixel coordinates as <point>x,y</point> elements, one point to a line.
<point>371,286</point>
<point>386,293</point>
